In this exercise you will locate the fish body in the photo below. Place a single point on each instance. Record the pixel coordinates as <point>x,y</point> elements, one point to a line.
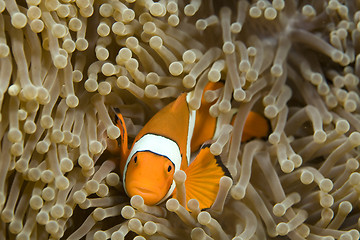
<point>164,146</point>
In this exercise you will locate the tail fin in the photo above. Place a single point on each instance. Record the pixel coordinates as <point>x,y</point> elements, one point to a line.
<point>256,126</point>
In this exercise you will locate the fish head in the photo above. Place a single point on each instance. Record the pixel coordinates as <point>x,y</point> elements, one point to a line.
<point>149,175</point>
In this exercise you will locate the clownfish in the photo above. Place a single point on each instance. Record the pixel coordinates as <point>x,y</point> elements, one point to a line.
<point>164,146</point>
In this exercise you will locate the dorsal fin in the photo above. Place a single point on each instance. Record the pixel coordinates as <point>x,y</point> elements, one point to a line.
<point>123,139</point>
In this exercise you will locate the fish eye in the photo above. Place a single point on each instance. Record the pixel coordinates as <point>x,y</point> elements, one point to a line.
<point>135,159</point>
<point>169,168</point>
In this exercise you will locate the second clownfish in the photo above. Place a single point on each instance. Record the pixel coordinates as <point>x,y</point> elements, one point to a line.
<point>165,144</point>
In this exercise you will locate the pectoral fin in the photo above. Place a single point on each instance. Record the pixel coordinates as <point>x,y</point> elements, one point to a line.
<point>203,176</point>
<point>256,126</point>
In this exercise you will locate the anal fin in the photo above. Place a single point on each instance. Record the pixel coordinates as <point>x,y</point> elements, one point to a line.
<point>203,176</point>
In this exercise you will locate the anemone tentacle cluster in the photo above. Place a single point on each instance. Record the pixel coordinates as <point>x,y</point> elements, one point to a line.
<point>64,64</point>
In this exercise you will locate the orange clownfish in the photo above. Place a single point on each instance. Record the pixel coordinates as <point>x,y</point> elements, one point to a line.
<point>165,144</point>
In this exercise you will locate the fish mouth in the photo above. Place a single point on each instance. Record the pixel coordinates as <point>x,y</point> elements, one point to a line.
<point>150,197</point>
<point>143,190</point>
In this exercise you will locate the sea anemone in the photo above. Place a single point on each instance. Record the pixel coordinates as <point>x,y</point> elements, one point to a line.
<point>65,64</point>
